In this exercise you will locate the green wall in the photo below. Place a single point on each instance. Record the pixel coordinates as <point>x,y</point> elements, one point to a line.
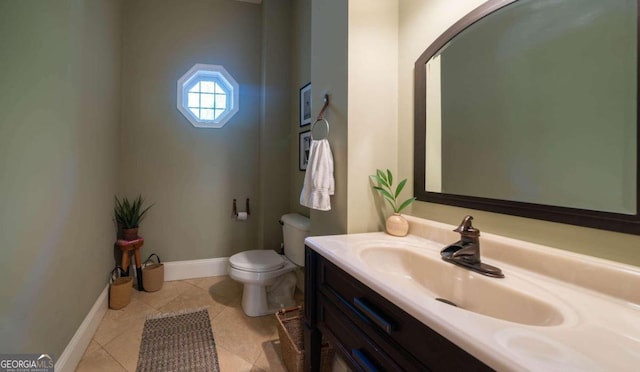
<point>59,74</point>
<point>329,74</point>
<point>191,174</point>
<point>277,62</point>
<point>301,75</point>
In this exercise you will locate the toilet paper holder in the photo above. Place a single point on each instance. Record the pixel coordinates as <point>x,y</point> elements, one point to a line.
<point>234,212</point>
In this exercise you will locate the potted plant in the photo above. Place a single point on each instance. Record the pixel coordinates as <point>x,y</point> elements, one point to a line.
<point>396,224</point>
<point>129,215</point>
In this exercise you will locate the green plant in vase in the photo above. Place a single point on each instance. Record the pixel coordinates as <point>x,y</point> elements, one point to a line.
<point>396,224</point>
<point>129,214</point>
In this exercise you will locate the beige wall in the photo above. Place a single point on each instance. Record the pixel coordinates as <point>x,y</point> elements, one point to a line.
<point>191,174</point>
<point>373,102</point>
<point>420,24</point>
<point>59,73</point>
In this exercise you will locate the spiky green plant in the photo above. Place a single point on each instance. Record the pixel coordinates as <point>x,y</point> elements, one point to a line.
<point>130,214</point>
<point>384,186</point>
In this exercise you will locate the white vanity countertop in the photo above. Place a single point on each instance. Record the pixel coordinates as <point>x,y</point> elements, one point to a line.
<point>598,331</point>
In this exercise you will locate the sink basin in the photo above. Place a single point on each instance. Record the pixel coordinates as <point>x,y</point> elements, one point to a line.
<point>506,299</point>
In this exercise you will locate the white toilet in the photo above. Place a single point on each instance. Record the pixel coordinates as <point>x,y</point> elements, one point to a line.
<point>269,278</point>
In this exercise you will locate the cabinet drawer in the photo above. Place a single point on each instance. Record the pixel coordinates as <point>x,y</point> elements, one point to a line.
<point>361,351</point>
<point>403,336</point>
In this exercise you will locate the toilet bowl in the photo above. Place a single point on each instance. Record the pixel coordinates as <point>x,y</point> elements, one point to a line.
<point>269,278</point>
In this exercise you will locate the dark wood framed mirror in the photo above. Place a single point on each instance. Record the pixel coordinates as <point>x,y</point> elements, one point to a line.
<point>530,108</point>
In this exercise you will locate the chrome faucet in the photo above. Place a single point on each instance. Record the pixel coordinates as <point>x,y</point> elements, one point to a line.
<point>466,251</point>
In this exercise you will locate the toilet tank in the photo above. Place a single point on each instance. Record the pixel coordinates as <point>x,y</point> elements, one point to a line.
<point>295,228</point>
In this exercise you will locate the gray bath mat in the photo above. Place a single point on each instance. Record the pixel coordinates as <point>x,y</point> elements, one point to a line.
<point>178,342</point>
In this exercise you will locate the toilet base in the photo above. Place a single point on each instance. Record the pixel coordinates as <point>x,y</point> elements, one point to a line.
<point>259,300</point>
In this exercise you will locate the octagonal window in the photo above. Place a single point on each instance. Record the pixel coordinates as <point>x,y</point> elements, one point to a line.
<point>207,96</point>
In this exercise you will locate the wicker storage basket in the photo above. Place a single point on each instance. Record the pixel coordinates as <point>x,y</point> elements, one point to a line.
<point>290,328</point>
<point>120,289</point>
<point>152,274</point>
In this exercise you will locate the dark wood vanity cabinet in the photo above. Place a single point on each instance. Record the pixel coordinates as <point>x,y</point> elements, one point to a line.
<point>367,330</point>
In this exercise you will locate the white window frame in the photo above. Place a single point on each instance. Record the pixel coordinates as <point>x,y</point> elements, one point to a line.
<point>224,79</point>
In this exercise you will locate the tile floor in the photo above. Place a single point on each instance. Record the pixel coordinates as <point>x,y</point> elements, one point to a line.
<point>243,343</point>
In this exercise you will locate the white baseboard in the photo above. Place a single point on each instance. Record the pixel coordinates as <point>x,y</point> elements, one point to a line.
<point>72,354</point>
<point>179,270</point>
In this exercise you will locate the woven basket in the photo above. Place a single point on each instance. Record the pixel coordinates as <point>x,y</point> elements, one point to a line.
<point>120,289</point>
<point>290,328</point>
<point>152,274</point>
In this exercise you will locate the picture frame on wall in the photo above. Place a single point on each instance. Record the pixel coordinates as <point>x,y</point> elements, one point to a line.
<point>305,105</point>
<point>305,147</point>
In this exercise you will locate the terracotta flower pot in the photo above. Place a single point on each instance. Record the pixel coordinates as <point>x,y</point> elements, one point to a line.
<point>130,234</point>
<point>397,225</point>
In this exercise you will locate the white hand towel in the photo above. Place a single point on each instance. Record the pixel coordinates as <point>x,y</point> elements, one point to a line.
<point>318,180</point>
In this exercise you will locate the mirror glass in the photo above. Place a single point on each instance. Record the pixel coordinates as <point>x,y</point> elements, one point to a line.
<point>533,105</point>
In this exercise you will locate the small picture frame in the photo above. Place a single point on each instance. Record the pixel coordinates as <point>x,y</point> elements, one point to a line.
<point>305,147</point>
<point>305,105</point>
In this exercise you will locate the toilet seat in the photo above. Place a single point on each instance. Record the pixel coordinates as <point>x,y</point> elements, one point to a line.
<point>257,261</point>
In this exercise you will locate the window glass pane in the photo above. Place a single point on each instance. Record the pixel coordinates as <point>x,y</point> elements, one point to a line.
<point>204,96</point>
<point>206,114</point>
<point>221,101</point>
<point>207,86</point>
<point>206,100</point>
<point>195,87</point>
<point>194,100</point>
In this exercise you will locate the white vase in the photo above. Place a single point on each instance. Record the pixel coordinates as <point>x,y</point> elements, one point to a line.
<point>397,225</point>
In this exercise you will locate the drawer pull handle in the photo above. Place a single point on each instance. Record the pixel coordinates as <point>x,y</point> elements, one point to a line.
<point>379,320</point>
<point>363,361</point>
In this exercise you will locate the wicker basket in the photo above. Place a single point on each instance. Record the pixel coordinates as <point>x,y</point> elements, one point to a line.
<point>290,328</point>
<point>152,274</point>
<point>120,289</point>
